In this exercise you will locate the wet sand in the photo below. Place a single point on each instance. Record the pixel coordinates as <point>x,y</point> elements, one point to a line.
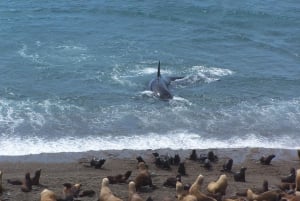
<point>61,168</point>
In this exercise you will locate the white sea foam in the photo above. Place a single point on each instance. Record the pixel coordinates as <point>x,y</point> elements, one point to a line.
<point>173,140</point>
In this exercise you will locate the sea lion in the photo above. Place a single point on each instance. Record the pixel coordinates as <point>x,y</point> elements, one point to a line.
<point>36,179</point>
<point>97,163</point>
<point>143,178</point>
<point>71,191</point>
<point>140,159</point>
<point>119,178</point>
<point>105,192</point>
<point>207,164</point>
<point>212,157</point>
<point>48,195</point>
<point>266,196</point>
<point>291,178</point>
<point>183,195</point>
<point>266,160</point>
<point>264,188</point>
<point>181,169</point>
<point>171,181</point>
<point>193,155</point>
<point>240,176</point>
<point>26,184</point>
<point>218,186</point>
<point>132,194</point>
<point>195,190</point>
<point>227,166</point>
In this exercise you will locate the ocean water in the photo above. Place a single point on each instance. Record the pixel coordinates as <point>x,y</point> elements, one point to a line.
<point>74,75</point>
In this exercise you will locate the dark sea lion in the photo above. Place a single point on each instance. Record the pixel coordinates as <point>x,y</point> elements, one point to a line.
<point>240,176</point>
<point>291,178</point>
<point>193,155</point>
<point>36,179</point>
<point>212,157</point>
<point>159,85</point>
<point>171,181</point>
<point>26,184</point>
<point>176,160</point>
<point>162,161</point>
<point>87,193</point>
<point>140,159</point>
<point>181,169</point>
<point>227,166</point>
<point>207,164</point>
<point>97,163</point>
<point>119,178</point>
<point>266,160</point>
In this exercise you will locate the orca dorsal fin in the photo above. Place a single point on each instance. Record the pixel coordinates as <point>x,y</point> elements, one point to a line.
<point>158,69</point>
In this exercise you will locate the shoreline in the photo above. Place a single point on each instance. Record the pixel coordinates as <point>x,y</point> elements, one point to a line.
<point>59,168</point>
<point>67,157</point>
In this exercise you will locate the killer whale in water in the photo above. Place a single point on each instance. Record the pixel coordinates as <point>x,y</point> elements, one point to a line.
<point>159,85</point>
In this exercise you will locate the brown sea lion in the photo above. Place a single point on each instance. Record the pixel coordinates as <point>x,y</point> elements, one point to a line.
<point>240,176</point>
<point>48,195</point>
<point>193,155</point>
<point>105,192</point>
<point>119,178</point>
<point>297,180</point>
<point>266,196</point>
<point>266,160</point>
<point>132,194</point>
<point>171,181</point>
<point>36,179</point>
<point>183,195</point>
<point>143,178</point>
<point>26,184</point>
<point>218,186</point>
<point>195,190</point>
<point>291,178</point>
<point>227,166</point>
<point>264,188</point>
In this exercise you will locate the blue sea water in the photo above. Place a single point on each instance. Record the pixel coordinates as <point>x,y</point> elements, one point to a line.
<point>74,75</point>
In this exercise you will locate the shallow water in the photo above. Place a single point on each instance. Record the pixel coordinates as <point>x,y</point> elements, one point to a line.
<point>74,75</point>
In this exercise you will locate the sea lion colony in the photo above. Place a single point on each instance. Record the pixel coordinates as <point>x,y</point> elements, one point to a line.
<point>140,183</point>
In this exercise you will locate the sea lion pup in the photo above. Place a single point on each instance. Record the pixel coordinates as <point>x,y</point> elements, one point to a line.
<point>195,190</point>
<point>212,157</point>
<point>36,179</point>
<point>48,195</point>
<point>26,185</point>
<point>105,192</point>
<point>97,163</point>
<point>291,178</point>
<point>119,178</point>
<point>266,160</point>
<point>193,155</point>
<point>183,195</point>
<point>240,176</point>
<point>218,186</point>
<point>171,181</point>
<point>143,178</point>
<point>227,166</point>
<point>132,194</point>
<point>266,196</point>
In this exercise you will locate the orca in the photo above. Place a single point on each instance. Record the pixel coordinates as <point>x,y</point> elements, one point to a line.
<point>159,85</point>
